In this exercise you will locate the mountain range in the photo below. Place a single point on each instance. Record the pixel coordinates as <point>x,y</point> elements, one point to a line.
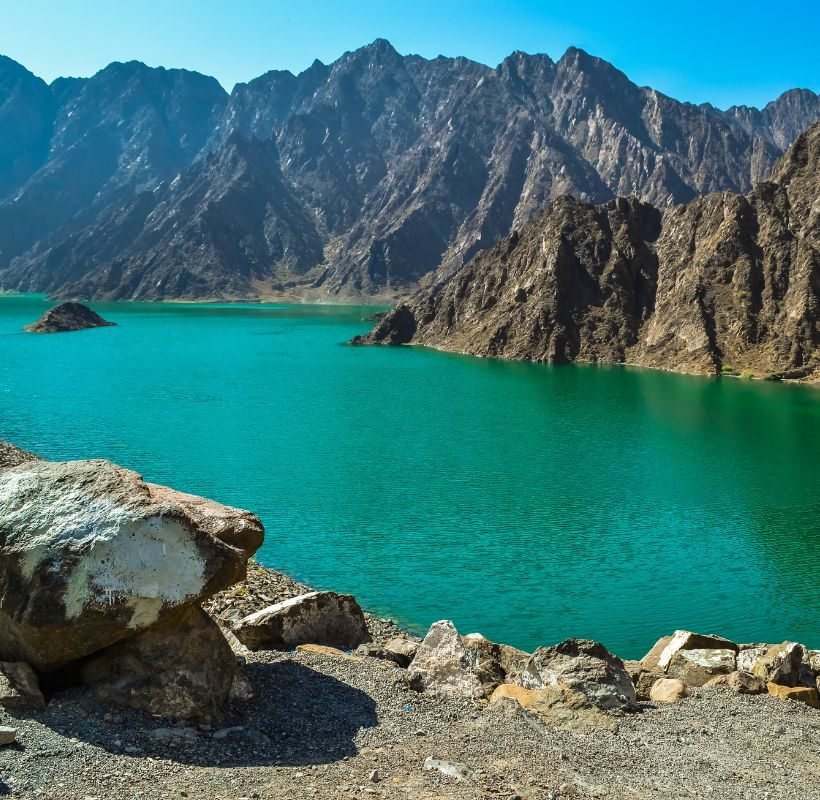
<point>368,176</point>
<point>725,283</point>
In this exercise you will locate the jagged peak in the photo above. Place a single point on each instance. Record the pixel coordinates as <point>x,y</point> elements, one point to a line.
<point>9,66</point>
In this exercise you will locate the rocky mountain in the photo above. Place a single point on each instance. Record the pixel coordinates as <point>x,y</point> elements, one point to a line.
<point>98,142</point>
<point>727,282</point>
<point>213,228</point>
<point>385,168</point>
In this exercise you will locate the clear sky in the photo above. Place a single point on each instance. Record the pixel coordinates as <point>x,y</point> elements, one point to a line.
<point>720,52</point>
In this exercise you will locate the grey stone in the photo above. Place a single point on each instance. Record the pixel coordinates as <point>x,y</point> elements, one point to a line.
<point>696,667</point>
<point>442,664</point>
<point>585,666</point>
<point>780,664</point>
<point>324,618</point>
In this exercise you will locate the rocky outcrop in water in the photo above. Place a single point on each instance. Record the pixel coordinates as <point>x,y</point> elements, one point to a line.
<point>66,317</point>
<point>727,282</point>
<point>369,172</point>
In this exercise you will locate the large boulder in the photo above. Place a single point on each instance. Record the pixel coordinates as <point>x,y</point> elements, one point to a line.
<point>799,694</point>
<point>697,667</point>
<point>661,655</point>
<point>183,668</point>
<point>584,666</point>
<point>747,657</point>
<point>556,706</point>
<point>443,665</point>
<point>780,664</point>
<point>91,554</point>
<point>494,663</point>
<point>813,660</point>
<point>325,618</point>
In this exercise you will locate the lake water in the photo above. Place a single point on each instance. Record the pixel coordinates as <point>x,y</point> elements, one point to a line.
<point>526,502</point>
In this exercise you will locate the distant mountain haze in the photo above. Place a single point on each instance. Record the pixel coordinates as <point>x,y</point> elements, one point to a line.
<point>361,177</point>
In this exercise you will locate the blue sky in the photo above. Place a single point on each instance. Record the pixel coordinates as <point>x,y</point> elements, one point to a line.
<point>719,52</point>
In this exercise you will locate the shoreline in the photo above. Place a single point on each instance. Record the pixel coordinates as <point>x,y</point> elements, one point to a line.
<point>385,623</point>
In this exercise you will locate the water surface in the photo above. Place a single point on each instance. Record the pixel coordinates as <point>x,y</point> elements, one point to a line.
<point>524,501</point>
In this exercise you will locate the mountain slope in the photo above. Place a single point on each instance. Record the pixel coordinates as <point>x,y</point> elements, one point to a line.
<point>221,225</point>
<point>400,165</point>
<point>119,132</point>
<point>727,281</point>
<point>26,116</point>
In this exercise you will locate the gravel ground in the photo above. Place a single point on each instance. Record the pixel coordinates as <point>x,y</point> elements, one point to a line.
<point>319,725</point>
<point>337,727</point>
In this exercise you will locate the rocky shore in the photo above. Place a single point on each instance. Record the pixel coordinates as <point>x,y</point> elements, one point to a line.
<point>144,655</point>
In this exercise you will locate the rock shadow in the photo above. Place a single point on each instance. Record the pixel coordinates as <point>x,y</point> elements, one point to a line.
<point>297,717</point>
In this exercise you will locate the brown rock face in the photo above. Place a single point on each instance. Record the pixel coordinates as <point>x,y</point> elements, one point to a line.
<point>727,282</point>
<point>91,555</point>
<point>799,694</point>
<point>183,669</point>
<point>68,317</point>
<point>556,706</point>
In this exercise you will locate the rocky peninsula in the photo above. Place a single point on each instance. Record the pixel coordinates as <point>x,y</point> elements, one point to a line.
<point>145,656</point>
<point>727,283</point>
<point>67,317</point>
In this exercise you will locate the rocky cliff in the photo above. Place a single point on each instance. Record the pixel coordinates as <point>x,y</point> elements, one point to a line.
<point>727,282</point>
<point>369,172</point>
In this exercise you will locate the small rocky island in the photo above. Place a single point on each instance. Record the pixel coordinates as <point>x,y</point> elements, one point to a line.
<point>70,316</point>
<point>157,661</point>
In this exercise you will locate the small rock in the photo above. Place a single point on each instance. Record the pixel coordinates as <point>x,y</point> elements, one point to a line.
<point>668,690</point>
<point>460,772</point>
<point>740,682</point>
<point>324,650</point>
<point>224,733</point>
<point>375,777</point>
<point>7,735</point>
<point>19,686</point>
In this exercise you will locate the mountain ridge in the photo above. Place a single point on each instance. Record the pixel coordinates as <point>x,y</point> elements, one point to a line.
<point>728,282</point>
<point>400,165</point>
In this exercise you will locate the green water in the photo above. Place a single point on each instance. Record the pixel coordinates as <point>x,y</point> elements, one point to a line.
<point>524,501</point>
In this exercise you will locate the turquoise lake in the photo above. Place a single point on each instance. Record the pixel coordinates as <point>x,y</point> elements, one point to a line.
<point>527,502</point>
